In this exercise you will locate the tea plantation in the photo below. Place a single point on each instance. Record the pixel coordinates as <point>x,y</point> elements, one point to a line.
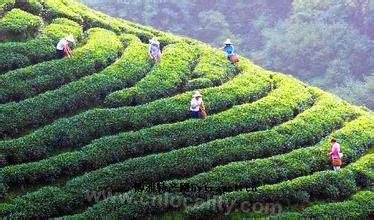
<point>93,135</point>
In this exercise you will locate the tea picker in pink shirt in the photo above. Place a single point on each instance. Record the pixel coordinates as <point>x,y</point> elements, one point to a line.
<point>335,154</point>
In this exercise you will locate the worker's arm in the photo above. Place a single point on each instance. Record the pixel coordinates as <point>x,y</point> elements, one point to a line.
<point>67,50</point>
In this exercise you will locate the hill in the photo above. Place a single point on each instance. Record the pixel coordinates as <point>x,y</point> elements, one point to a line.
<point>108,132</point>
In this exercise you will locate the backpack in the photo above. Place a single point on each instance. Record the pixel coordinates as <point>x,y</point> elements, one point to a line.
<point>234,58</point>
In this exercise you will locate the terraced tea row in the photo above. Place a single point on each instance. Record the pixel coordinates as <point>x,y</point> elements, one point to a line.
<point>172,164</point>
<point>30,81</point>
<point>179,69</point>
<point>83,128</point>
<point>83,93</point>
<point>71,148</point>
<point>129,204</point>
<point>275,169</point>
<point>88,18</point>
<point>212,70</point>
<point>20,54</point>
<point>319,185</point>
<point>143,204</point>
<point>307,128</point>
<point>19,25</point>
<point>63,200</point>
<point>359,207</point>
<point>166,78</point>
<point>242,118</point>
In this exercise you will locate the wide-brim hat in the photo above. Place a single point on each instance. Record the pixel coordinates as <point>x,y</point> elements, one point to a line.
<point>70,38</point>
<point>228,41</point>
<point>197,94</point>
<point>154,40</point>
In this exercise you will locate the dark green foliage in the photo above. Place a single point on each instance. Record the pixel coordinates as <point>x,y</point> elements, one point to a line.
<point>321,185</point>
<point>242,118</point>
<point>20,54</point>
<point>63,150</point>
<point>83,128</point>
<point>19,25</point>
<point>177,60</point>
<point>102,48</point>
<point>360,206</point>
<point>83,93</point>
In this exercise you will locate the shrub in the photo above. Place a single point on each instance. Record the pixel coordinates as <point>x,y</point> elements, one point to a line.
<point>243,118</point>
<point>184,162</point>
<point>213,69</point>
<point>31,6</point>
<point>341,185</point>
<point>56,9</point>
<point>20,54</point>
<point>19,25</point>
<point>130,205</point>
<point>60,27</point>
<point>360,206</point>
<point>167,77</point>
<point>86,92</point>
<point>94,18</point>
<point>316,122</point>
<point>102,48</point>
<point>83,128</point>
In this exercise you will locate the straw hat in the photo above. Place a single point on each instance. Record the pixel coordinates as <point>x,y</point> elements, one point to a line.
<point>197,94</point>
<point>70,38</point>
<point>228,41</point>
<point>154,41</point>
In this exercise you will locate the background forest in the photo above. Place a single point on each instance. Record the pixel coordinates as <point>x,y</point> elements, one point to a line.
<point>327,43</point>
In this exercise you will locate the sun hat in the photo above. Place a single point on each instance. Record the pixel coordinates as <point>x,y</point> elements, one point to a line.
<point>228,41</point>
<point>154,41</point>
<point>70,38</point>
<point>197,94</point>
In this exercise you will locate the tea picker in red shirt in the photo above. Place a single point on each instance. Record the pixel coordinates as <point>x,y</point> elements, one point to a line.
<point>336,156</point>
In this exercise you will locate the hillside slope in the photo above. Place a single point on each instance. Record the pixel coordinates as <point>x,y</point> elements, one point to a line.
<point>108,121</point>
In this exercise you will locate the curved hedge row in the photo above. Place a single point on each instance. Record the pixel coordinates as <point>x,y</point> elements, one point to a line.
<point>277,168</point>
<point>20,54</point>
<point>307,128</point>
<point>317,185</point>
<point>90,18</point>
<point>150,169</point>
<point>179,162</point>
<point>94,18</point>
<point>281,104</point>
<point>132,205</point>
<point>83,128</point>
<point>32,6</point>
<point>213,69</point>
<point>19,25</point>
<point>237,87</point>
<point>325,116</point>
<point>102,48</point>
<point>60,27</point>
<point>360,206</point>
<point>142,204</point>
<point>86,92</point>
<point>166,79</point>
<point>56,9</point>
